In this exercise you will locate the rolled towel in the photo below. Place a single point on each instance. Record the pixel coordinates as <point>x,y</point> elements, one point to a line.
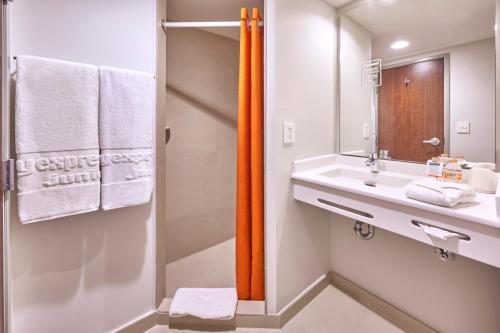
<point>126,137</point>
<point>447,194</point>
<point>204,303</point>
<point>56,132</point>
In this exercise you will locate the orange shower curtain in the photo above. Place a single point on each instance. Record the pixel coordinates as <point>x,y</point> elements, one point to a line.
<point>250,164</point>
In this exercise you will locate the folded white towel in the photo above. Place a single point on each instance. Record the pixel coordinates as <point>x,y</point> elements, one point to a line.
<point>440,193</point>
<point>56,138</point>
<point>127,103</point>
<point>209,303</point>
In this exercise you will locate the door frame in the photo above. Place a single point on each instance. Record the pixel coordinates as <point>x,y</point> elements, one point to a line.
<point>422,58</point>
<point>6,155</point>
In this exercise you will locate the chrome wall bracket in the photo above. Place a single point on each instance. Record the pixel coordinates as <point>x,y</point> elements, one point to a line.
<point>444,255</point>
<point>8,170</point>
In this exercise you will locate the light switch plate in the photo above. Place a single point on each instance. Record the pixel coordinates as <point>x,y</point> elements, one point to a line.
<point>288,132</point>
<point>463,127</point>
<point>366,131</point>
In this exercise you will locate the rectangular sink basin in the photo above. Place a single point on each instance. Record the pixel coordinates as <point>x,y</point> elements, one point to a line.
<point>367,178</point>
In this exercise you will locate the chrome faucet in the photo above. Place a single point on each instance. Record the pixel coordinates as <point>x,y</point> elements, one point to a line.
<point>372,162</point>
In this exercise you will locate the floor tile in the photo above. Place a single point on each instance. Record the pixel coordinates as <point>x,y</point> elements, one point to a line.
<point>373,323</point>
<point>330,312</point>
<point>158,329</point>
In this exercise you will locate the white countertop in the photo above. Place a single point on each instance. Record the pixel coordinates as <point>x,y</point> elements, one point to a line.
<point>482,210</point>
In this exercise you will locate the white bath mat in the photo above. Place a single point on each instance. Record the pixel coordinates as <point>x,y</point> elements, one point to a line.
<point>205,303</point>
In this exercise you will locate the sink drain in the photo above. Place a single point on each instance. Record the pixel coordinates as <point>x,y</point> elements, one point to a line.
<point>371,184</point>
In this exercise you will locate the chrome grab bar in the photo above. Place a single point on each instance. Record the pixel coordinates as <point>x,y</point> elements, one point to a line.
<point>344,208</point>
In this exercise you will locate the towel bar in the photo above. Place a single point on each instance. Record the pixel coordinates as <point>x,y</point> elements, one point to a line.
<point>457,235</point>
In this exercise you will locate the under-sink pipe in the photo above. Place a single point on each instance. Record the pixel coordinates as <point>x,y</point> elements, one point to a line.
<point>358,229</point>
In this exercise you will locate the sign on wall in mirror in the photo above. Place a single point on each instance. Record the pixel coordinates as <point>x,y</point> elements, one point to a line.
<point>436,92</point>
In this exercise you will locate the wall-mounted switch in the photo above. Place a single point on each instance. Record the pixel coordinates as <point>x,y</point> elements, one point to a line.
<point>366,131</point>
<point>463,127</point>
<point>288,133</point>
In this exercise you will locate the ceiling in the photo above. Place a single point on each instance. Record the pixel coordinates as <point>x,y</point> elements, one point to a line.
<point>338,3</point>
<point>211,10</point>
<point>427,24</point>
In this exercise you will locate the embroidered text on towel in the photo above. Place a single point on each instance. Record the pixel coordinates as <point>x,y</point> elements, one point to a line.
<point>85,167</point>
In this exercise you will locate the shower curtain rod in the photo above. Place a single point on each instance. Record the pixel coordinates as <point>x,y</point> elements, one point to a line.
<point>215,24</point>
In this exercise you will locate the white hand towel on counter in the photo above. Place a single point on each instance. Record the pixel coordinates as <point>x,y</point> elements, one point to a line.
<point>447,194</point>
<point>205,303</point>
<point>56,134</point>
<point>127,104</point>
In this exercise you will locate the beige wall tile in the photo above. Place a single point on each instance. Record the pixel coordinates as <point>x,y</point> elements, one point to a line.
<point>202,90</point>
<point>213,267</point>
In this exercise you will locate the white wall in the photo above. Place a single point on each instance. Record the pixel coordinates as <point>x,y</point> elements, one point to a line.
<point>300,42</point>
<point>460,296</point>
<point>93,272</point>
<point>355,100</point>
<point>472,97</point>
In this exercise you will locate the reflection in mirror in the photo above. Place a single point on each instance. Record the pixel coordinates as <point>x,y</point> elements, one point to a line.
<point>437,79</point>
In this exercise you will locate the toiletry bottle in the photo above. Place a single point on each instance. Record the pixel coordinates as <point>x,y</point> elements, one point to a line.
<point>465,167</point>
<point>434,168</point>
<point>461,161</point>
<point>452,172</point>
<point>444,158</point>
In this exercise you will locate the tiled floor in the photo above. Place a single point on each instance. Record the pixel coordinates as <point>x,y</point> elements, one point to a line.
<point>331,312</point>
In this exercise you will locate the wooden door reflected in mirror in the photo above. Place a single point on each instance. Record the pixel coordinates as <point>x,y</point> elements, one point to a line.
<point>411,110</point>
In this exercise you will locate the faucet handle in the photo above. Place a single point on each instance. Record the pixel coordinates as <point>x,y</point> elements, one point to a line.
<point>371,158</point>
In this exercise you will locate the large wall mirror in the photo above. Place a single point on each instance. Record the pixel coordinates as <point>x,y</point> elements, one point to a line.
<point>417,79</point>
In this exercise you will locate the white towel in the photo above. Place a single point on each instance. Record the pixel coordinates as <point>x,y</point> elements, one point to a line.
<point>438,232</point>
<point>440,193</point>
<point>205,303</point>
<point>56,138</point>
<point>127,103</point>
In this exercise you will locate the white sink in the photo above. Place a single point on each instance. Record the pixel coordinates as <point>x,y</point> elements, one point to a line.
<point>336,184</point>
<point>349,174</point>
<point>367,178</point>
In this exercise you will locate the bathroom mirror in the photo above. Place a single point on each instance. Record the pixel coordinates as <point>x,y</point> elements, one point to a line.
<point>417,79</point>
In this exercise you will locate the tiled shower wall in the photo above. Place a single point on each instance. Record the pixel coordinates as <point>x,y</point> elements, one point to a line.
<point>202,97</point>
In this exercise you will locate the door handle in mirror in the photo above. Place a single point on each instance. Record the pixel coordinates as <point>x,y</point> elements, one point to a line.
<point>167,134</point>
<point>433,141</point>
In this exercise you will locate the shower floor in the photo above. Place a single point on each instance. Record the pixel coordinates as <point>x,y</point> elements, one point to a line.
<point>331,311</point>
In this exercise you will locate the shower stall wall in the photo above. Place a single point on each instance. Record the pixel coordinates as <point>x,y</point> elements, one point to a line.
<point>201,107</point>
<point>202,95</point>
